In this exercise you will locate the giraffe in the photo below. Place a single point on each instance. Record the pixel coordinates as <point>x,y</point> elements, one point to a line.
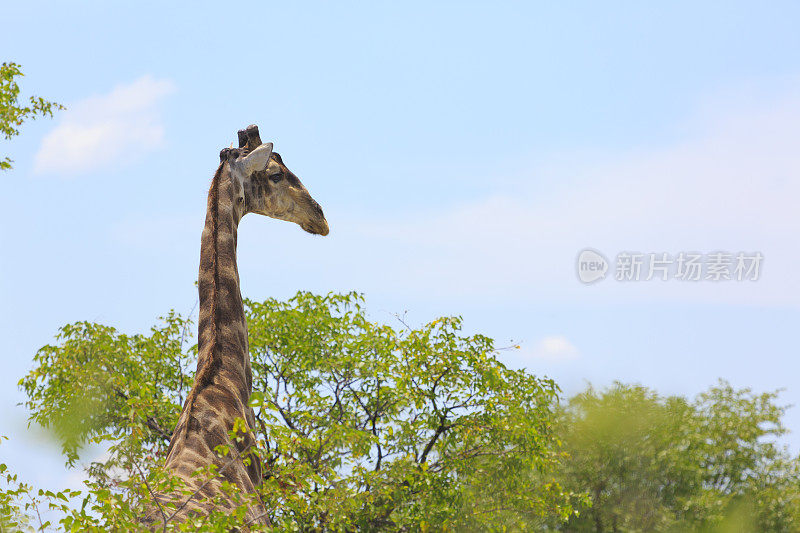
<point>250,179</point>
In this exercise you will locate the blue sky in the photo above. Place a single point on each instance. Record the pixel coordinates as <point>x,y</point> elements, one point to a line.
<point>463,153</point>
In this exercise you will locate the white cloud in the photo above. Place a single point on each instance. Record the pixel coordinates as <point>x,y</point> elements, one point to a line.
<point>116,127</point>
<point>555,348</point>
<point>731,184</point>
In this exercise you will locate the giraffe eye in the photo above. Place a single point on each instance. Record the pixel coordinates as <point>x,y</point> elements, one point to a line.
<point>276,177</point>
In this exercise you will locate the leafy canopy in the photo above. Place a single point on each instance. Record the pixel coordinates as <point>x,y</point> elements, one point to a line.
<point>367,426</point>
<point>360,425</point>
<point>12,113</point>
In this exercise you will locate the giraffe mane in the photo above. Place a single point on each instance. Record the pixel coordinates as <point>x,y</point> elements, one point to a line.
<point>206,373</point>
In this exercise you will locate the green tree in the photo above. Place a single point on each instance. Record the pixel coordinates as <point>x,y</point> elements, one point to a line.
<point>653,463</point>
<point>366,426</point>
<point>12,113</point>
<point>619,446</point>
<point>360,425</point>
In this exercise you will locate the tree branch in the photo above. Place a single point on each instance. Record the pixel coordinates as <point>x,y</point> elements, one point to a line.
<point>152,494</point>
<point>153,424</point>
<point>428,447</point>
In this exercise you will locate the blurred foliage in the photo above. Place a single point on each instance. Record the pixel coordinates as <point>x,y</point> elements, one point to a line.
<point>360,425</point>
<point>98,385</point>
<point>12,114</point>
<point>653,463</point>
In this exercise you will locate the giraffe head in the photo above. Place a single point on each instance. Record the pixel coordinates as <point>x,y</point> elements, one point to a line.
<point>263,185</point>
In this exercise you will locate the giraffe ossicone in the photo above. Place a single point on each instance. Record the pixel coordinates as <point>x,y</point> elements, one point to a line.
<point>249,179</point>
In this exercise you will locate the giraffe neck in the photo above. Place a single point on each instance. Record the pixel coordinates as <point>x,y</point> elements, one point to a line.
<point>223,381</point>
<point>222,328</point>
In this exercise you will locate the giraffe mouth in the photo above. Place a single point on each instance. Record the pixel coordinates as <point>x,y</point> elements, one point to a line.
<point>316,228</point>
<point>315,222</point>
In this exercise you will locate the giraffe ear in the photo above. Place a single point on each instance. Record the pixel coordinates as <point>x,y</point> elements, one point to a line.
<point>258,159</point>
